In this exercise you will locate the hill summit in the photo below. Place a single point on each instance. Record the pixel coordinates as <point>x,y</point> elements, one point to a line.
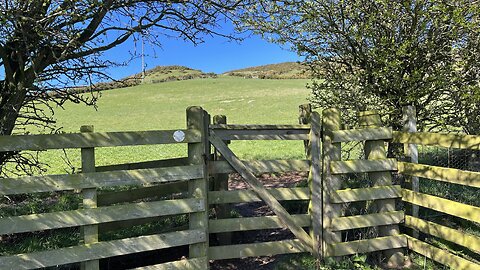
<point>286,70</point>
<point>157,75</point>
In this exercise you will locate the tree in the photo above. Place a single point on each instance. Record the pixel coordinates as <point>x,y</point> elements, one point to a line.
<point>49,48</point>
<point>383,55</point>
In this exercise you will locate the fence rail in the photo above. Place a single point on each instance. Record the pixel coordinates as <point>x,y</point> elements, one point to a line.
<point>151,184</point>
<point>94,139</point>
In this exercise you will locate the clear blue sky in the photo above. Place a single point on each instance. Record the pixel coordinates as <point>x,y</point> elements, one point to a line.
<point>216,54</point>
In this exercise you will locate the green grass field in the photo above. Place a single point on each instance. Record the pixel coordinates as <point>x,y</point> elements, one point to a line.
<point>162,106</point>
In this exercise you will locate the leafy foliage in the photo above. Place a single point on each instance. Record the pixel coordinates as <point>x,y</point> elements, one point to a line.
<point>385,54</point>
<point>49,47</point>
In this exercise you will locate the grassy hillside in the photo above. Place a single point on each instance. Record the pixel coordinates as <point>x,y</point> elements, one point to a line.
<point>157,75</point>
<point>287,70</point>
<point>162,106</point>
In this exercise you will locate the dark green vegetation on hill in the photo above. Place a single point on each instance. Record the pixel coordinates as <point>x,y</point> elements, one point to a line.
<point>287,70</point>
<point>156,75</point>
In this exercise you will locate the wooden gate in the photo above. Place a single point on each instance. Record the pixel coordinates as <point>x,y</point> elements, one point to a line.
<point>202,177</point>
<point>219,135</point>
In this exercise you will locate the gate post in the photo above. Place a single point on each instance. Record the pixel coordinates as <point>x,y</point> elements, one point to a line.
<point>304,113</point>
<point>315,185</point>
<point>330,182</point>
<point>221,184</point>
<point>90,232</point>
<point>376,150</point>
<point>198,153</point>
<point>411,152</point>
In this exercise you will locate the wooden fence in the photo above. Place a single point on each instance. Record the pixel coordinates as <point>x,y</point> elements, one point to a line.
<point>202,176</point>
<point>98,211</point>
<point>385,196</point>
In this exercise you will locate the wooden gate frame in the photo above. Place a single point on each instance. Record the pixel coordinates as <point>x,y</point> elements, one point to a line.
<point>262,192</point>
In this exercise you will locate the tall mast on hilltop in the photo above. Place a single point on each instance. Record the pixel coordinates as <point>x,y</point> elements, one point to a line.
<point>143,60</point>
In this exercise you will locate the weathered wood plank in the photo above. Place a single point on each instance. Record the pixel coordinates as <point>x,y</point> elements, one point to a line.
<point>363,134</point>
<point>368,220</point>
<point>440,255</point>
<point>221,184</point>
<point>261,191</point>
<point>187,264</point>
<point>315,185</point>
<point>441,139</point>
<point>183,161</point>
<point>331,183</point>
<point>409,114</point>
<point>367,245</point>
<point>33,184</point>
<point>453,208</point>
<point>199,153</point>
<point>94,139</point>
<point>366,194</point>
<point>256,127</point>
<point>100,250</point>
<point>304,113</point>
<point>469,241</point>
<point>361,166</point>
<point>253,223</point>
<point>264,134</point>
<point>257,249</point>
<point>131,195</point>
<point>89,232</point>
<point>242,196</point>
<point>261,166</point>
<point>455,176</point>
<point>374,151</point>
<point>81,217</point>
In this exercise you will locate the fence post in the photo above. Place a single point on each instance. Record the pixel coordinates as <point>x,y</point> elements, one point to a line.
<point>198,153</point>
<point>304,112</point>
<point>411,152</point>
<point>315,185</point>
<point>330,183</point>
<point>90,232</point>
<point>221,184</point>
<point>376,150</point>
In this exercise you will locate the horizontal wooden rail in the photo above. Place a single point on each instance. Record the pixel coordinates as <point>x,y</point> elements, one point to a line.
<point>144,165</point>
<point>190,264</point>
<point>362,166</point>
<point>262,134</point>
<point>439,139</point>
<point>367,245</point>
<point>243,196</point>
<point>93,139</point>
<point>469,241</point>
<point>364,134</point>
<point>131,195</point>
<point>253,223</point>
<point>455,176</point>
<point>81,217</point>
<point>257,249</point>
<point>101,250</point>
<point>256,127</point>
<point>453,208</point>
<point>262,166</point>
<point>370,220</point>
<point>366,194</point>
<point>439,255</point>
<point>33,184</point>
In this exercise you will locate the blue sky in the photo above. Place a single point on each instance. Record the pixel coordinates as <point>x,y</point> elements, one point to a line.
<point>216,54</point>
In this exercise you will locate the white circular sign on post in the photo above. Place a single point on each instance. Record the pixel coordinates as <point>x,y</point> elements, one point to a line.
<point>179,136</point>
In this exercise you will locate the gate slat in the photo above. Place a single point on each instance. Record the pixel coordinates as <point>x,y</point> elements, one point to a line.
<point>262,192</point>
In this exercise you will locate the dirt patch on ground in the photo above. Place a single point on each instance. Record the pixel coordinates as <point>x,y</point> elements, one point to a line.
<point>290,179</point>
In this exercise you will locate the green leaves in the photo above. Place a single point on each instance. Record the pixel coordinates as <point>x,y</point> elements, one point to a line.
<point>384,54</point>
